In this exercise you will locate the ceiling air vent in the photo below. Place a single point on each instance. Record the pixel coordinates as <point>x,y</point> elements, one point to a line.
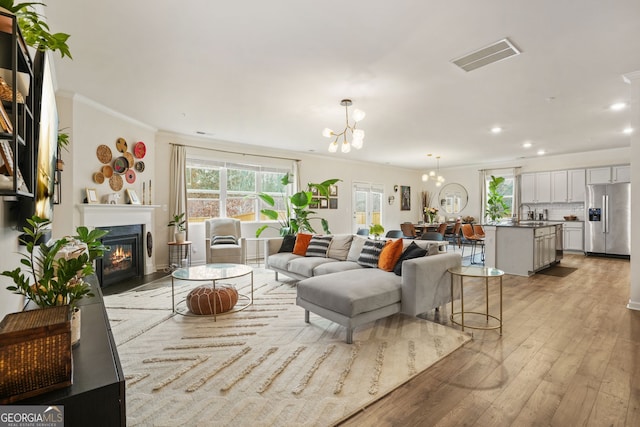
<point>495,52</point>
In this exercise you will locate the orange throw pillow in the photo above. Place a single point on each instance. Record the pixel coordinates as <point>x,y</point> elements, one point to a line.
<point>390,255</point>
<point>302,242</point>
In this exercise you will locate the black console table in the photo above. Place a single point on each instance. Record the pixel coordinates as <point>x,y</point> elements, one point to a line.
<point>97,395</point>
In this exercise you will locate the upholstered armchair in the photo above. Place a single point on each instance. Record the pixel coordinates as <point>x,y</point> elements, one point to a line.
<point>223,241</point>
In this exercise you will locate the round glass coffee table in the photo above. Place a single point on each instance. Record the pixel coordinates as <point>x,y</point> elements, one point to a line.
<point>480,272</point>
<point>213,273</point>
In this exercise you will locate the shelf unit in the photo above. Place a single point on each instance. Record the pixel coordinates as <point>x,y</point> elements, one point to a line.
<point>17,130</point>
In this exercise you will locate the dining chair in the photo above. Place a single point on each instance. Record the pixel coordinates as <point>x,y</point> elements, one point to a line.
<point>362,232</point>
<point>394,234</point>
<point>454,236</point>
<point>474,240</point>
<point>432,235</point>
<point>442,228</point>
<point>408,230</point>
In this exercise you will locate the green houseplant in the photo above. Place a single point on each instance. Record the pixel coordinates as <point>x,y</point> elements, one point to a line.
<point>179,223</point>
<point>376,230</point>
<point>51,279</point>
<point>297,214</point>
<point>496,206</point>
<point>35,30</point>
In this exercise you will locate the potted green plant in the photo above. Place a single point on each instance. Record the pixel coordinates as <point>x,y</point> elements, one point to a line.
<point>55,271</point>
<point>496,206</point>
<point>376,230</point>
<point>63,144</point>
<point>297,215</point>
<point>35,31</point>
<point>179,223</point>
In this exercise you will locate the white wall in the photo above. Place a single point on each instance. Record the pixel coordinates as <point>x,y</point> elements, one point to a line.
<point>313,168</point>
<point>91,126</point>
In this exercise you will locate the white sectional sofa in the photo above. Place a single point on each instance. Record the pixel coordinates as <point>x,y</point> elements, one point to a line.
<point>340,289</point>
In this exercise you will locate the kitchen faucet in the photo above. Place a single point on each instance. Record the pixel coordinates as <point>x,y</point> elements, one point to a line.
<point>523,205</point>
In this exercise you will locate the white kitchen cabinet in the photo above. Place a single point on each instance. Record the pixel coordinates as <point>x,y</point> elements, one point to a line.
<point>609,174</point>
<point>528,188</point>
<point>599,175</point>
<point>621,173</point>
<point>535,187</point>
<point>559,188</point>
<point>573,236</point>
<point>544,247</point>
<point>576,183</point>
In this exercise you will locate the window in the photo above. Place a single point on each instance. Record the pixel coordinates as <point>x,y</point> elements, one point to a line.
<point>222,189</point>
<point>506,190</point>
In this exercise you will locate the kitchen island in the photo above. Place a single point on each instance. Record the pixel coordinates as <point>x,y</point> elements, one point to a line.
<point>523,248</point>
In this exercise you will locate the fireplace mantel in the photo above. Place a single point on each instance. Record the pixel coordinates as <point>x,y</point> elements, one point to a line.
<point>104,215</point>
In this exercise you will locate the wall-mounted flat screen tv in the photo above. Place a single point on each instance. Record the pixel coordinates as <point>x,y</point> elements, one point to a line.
<point>45,141</point>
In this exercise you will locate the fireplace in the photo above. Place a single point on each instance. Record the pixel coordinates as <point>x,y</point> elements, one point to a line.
<point>125,258</point>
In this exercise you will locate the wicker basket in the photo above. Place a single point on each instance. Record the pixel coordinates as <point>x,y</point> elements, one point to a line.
<point>35,352</point>
<point>6,93</point>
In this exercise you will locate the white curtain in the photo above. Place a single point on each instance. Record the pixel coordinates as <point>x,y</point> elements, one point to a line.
<point>178,183</point>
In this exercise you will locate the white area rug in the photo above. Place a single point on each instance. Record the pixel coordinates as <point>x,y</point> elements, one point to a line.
<point>263,366</point>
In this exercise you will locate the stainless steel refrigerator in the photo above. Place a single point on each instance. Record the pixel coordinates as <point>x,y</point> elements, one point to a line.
<point>607,229</point>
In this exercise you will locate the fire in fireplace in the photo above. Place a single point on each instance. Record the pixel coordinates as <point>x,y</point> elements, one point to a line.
<point>125,258</point>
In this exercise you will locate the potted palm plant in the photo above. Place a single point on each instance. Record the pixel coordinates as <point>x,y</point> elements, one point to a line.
<point>297,215</point>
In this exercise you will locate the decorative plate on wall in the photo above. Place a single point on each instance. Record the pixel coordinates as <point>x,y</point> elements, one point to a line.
<point>107,171</point>
<point>130,176</point>
<point>121,164</point>
<point>98,177</point>
<point>104,154</point>
<point>140,166</point>
<point>115,182</point>
<point>139,149</point>
<point>121,145</point>
<point>129,157</point>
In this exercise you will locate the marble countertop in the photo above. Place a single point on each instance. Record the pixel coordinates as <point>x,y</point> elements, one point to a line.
<point>528,224</point>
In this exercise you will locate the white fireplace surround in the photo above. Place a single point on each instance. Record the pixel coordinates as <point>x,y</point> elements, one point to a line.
<point>102,215</point>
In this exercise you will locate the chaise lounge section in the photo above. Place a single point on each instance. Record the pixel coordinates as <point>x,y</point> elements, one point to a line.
<point>342,290</point>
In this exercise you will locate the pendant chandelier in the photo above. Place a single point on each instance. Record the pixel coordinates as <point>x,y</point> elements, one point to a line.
<point>434,174</point>
<point>357,135</point>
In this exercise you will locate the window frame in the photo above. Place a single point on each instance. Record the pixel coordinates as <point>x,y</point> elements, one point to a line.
<point>224,194</point>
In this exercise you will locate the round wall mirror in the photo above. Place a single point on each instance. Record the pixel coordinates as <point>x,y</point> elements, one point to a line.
<point>453,198</point>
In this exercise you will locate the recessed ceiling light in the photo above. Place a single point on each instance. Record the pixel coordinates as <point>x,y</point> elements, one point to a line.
<point>628,131</point>
<point>618,106</point>
<point>496,129</point>
<point>527,144</point>
<point>541,152</point>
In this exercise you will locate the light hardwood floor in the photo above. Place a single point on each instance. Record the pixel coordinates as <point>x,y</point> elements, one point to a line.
<point>569,355</point>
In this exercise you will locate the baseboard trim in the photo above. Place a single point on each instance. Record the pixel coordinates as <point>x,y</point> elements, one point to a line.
<point>634,305</point>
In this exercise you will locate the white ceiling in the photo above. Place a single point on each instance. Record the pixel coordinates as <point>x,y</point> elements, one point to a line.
<point>272,73</point>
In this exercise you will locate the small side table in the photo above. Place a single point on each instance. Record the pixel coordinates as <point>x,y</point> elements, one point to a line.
<point>473,271</point>
<point>257,241</point>
<point>179,251</point>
